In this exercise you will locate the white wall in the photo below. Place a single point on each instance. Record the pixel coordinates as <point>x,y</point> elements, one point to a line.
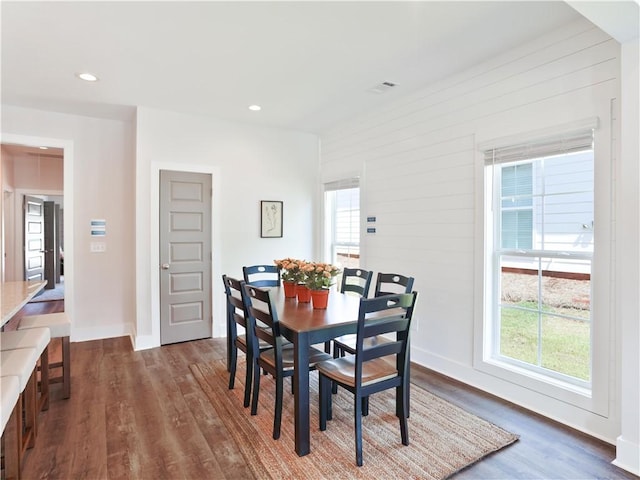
<point>248,164</point>
<point>99,180</point>
<point>418,158</point>
<point>111,170</point>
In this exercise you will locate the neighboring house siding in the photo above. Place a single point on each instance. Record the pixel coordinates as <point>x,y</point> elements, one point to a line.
<point>418,158</point>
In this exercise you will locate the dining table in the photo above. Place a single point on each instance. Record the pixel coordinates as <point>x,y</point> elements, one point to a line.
<point>15,295</point>
<point>304,325</point>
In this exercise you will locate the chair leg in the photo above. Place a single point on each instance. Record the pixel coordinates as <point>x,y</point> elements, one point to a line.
<point>358,428</point>
<point>323,395</point>
<point>233,362</point>
<point>365,406</point>
<point>12,438</point>
<point>327,346</point>
<point>277,417</point>
<point>44,380</point>
<point>29,396</point>
<point>404,429</point>
<point>66,367</point>
<point>255,388</point>
<point>247,381</point>
<point>230,346</point>
<point>406,398</point>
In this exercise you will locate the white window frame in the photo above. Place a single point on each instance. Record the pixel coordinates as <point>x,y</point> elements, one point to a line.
<point>596,399</point>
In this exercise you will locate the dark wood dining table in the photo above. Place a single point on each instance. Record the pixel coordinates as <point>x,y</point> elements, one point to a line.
<point>303,325</point>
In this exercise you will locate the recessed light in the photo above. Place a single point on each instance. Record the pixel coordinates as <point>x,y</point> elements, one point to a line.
<point>255,108</point>
<point>43,148</point>
<point>88,77</point>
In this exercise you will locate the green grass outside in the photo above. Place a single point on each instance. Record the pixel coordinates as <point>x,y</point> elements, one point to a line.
<point>565,342</point>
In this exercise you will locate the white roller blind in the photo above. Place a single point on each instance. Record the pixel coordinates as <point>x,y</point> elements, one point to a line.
<point>543,147</point>
<point>343,184</point>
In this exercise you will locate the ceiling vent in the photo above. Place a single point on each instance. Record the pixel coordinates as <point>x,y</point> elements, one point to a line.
<point>382,87</point>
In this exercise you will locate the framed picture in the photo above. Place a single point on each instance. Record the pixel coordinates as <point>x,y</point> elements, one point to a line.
<point>270,219</point>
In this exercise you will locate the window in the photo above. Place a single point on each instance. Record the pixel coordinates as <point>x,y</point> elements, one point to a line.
<point>517,206</point>
<point>540,258</point>
<point>342,223</point>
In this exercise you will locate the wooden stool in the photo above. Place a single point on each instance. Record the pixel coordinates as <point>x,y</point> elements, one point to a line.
<point>22,364</point>
<point>37,338</point>
<point>60,327</point>
<point>11,418</point>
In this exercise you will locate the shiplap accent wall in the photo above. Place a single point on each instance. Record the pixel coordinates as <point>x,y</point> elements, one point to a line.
<point>418,161</point>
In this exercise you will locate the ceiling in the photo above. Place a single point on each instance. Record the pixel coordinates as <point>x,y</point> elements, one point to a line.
<point>308,64</point>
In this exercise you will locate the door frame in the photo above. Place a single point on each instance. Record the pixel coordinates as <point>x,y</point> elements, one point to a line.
<point>69,241</point>
<point>154,246</point>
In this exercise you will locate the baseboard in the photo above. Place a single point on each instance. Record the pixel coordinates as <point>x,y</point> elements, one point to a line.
<point>144,342</point>
<point>100,333</point>
<point>627,456</point>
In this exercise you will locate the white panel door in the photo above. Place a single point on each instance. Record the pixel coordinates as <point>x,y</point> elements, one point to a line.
<point>185,256</point>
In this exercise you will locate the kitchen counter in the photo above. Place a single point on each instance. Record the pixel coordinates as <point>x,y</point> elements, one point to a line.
<point>16,295</point>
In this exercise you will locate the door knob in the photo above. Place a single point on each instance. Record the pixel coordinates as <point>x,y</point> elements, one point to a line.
<point>165,266</point>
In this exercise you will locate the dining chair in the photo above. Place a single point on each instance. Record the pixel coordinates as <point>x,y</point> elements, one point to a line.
<point>390,283</point>
<point>237,316</point>
<point>374,367</point>
<point>262,275</point>
<point>386,284</point>
<point>277,361</point>
<point>356,280</point>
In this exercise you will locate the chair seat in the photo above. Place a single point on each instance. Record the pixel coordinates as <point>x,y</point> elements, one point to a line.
<point>343,370</point>
<point>37,338</point>
<point>9,393</point>
<point>58,323</point>
<point>315,356</point>
<point>20,362</point>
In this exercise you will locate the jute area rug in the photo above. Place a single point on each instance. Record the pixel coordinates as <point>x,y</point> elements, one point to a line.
<point>443,438</point>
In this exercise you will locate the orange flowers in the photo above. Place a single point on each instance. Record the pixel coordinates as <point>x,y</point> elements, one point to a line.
<point>316,275</point>
<point>320,275</point>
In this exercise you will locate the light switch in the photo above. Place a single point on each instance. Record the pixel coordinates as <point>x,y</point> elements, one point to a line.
<point>98,247</point>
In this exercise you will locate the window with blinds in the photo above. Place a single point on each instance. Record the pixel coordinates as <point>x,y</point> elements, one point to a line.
<point>342,222</point>
<point>516,203</point>
<point>541,216</point>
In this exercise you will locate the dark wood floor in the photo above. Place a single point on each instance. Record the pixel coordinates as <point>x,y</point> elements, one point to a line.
<point>141,415</point>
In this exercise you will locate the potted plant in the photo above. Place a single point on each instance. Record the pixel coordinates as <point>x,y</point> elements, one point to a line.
<point>291,275</point>
<point>320,276</point>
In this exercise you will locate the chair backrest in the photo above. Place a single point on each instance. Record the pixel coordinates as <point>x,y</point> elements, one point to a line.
<point>391,283</point>
<point>390,314</point>
<point>236,310</point>
<point>263,319</point>
<point>262,275</point>
<point>356,280</point>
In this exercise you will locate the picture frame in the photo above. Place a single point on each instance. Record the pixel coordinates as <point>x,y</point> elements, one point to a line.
<point>271,219</point>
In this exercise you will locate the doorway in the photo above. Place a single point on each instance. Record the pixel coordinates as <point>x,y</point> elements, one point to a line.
<point>32,176</point>
<point>42,172</point>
